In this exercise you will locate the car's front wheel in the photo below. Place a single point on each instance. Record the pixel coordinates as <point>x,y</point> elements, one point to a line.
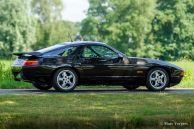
<point>157,79</point>
<point>42,86</point>
<point>65,80</point>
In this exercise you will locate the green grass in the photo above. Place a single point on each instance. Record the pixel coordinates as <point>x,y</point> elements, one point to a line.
<point>6,78</point>
<point>134,110</point>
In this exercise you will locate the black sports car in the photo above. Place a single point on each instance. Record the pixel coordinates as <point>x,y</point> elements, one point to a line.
<point>66,65</point>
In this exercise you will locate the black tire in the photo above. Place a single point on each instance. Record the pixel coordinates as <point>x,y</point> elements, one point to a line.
<point>152,79</point>
<point>130,87</point>
<point>42,86</point>
<point>56,82</point>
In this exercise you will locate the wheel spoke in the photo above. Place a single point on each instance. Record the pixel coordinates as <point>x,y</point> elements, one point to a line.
<point>152,78</point>
<point>162,82</point>
<point>70,76</point>
<point>162,76</point>
<point>64,74</point>
<point>64,84</point>
<point>156,83</point>
<point>70,83</point>
<point>157,74</point>
<point>60,79</point>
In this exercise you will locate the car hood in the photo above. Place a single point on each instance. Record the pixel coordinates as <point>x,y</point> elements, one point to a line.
<point>153,62</point>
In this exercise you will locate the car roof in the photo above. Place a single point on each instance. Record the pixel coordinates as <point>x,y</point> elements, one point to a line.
<point>81,43</point>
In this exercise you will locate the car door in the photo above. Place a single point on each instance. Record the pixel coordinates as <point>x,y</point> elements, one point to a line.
<point>100,62</point>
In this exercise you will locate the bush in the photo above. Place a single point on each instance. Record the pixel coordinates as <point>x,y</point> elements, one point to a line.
<point>6,78</point>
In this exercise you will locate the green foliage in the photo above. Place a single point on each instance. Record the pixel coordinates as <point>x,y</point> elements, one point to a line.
<point>118,22</point>
<point>173,28</point>
<point>161,29</point>
<point>47,10</point>
<point>6,77</point>
<point>30,25</point>
<point>152,28</point>
<point>50,33</point>
<point>51,29</point>
<point>17,32</point>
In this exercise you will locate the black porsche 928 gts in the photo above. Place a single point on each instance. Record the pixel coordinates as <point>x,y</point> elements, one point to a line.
<point>66,65</point>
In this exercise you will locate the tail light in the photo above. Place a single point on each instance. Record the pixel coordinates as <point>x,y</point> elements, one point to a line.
<point>31,62</point>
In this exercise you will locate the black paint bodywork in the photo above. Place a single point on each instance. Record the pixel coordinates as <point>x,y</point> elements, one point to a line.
<point>121,70</point>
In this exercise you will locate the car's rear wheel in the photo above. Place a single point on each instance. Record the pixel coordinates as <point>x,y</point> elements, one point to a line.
<point>65,80</point>
<point>130,87</point>
<point>157,79</point>
<point>42,86</point>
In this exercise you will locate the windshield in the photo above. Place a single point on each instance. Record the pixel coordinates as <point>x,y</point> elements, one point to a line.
<point>50,48</point>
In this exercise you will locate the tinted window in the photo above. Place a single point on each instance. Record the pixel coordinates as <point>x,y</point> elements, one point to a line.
<point>104,52</point>
<point>54,52</point>
<point>99,51</point>
<point>69,51</point>
<point>62,51</point>
<point>88,53</point>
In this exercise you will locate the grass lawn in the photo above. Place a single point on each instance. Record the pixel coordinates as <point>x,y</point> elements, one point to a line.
<point>100,111</point>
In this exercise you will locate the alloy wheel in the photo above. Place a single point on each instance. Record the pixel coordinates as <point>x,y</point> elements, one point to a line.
<point>158,79</point>
<point>66,79</point>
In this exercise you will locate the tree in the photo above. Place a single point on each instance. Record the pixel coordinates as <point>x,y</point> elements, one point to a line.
<point>118,22</point>
<point>47,10</point>
<point>173,28</point>
<point>17,32</point>
<point>51,28</point>
<point>48,34</point>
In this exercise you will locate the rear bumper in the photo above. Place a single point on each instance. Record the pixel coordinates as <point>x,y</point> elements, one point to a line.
<point>18,74</point>
<point>30,74</point>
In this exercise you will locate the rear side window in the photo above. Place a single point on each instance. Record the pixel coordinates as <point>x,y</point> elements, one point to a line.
<point>55,52</point>
<point>67,51</point>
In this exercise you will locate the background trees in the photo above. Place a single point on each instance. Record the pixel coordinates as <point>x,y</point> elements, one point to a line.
<point>173,28</point>
<point>51,29</point>
<point>153,28</point>
<point>17,32</point>
<point>124,25</point>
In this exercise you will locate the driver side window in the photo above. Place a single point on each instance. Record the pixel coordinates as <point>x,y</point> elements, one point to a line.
<point>104,52</point>
<point>97,51</point>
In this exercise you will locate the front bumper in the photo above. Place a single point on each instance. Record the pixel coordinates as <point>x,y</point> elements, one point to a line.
<point>175,80</point>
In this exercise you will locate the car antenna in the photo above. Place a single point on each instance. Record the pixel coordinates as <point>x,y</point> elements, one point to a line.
<point>70,37</point>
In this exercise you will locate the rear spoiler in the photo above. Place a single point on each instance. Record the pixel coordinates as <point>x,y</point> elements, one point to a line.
<point>37,54</point>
